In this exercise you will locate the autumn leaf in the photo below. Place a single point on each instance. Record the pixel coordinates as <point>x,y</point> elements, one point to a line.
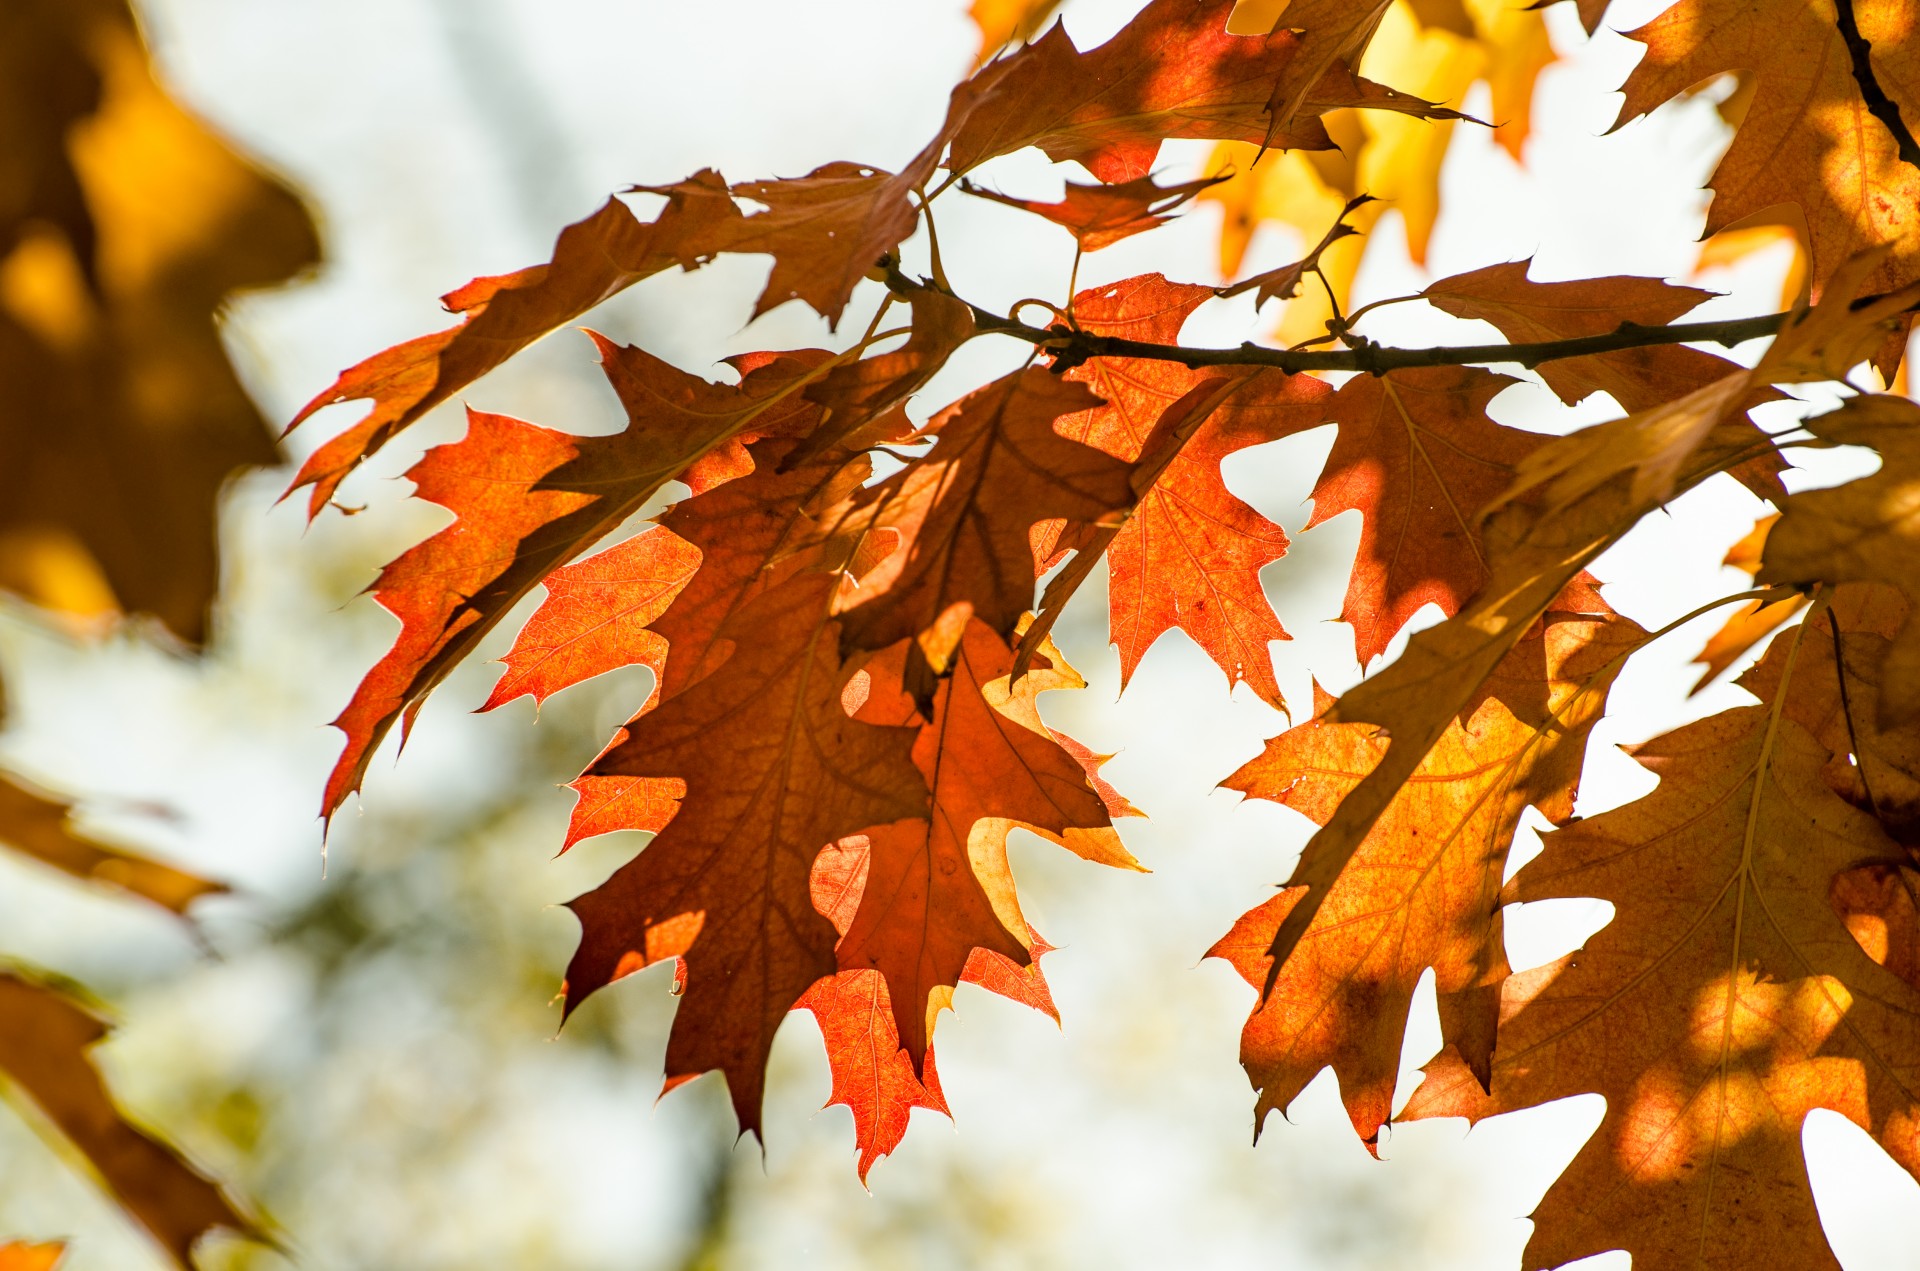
<point>593,259</point>
<point>773,770</point>
<point>1191,552</point>
<point>1808,136</point>
<point>44,1040</point>
<point>1862,531</point>
<point>125,223</point>
<point>1725,1002</point>
<point>1173,71</point>
<point>1418,458</point>
<point>1531,556</point>
<point>528,499</point>
<point>965,512</point>
<point>1101,215</point>
<point>1420,892</point>
<point>937,891</point>
<point>1004,22</point>
<point>873,1076</point>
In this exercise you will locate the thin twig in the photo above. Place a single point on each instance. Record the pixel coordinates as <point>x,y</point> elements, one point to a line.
<point>1070,347</point>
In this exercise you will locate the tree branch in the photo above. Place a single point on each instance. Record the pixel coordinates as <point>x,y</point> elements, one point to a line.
<point>1879,105</point>
<point>1070,347</point>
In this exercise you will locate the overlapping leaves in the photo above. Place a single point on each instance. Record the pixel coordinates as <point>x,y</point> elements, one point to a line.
<point>848,633</point>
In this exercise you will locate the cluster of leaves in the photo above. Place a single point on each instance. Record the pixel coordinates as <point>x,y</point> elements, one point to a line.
<point>846,615</point>
<point>124,222</point>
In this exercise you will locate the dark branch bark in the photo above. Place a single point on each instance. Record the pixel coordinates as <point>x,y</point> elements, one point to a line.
<point>1879,105</point>
<point>1071,347</point>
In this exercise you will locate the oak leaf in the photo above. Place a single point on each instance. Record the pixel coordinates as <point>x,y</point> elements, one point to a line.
<point>528,499</point>
<point>1532,554</point>
<point>1418,458</point>
<point>593,259</point>
<point>1808,136</point>
<point>1101,215</point>
<point>1190,552</point>
<point>1863,531</point>
<point>38,826</point>
<point>773,769</point>
<point>1421,890</point>
<point>937,891</point>
<point>1173,71</point>
<point>964,514</point>
<point>1726,1000</point>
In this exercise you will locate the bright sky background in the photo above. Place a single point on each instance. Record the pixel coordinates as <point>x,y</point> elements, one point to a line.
<point>430,1122</point>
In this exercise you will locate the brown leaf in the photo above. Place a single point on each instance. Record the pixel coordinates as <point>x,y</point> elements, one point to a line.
<point>1863,531</point>
<point>1528,312</point>
<point>773,770</point>
<point>37,826</point>
<point>1101,215</point>
<point>1726,1000</point>
<point>965,513</point>
<point>1418,457</point>
<point>1807,137</point>
<point>1173,71</point>
<point>44,1039</point>
<point>1421,890</point>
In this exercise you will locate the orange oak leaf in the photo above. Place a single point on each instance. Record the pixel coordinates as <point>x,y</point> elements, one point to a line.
<point>1173,71</point>
<point>965,512</point>
<point>44,1040</point>
<point>593,259</point>
<point>1726,1001</point>
<point>873,1076</point>
<point>1532,554</point>
<point>937,891</point>
<point>1807,136</point>
<point>1420,893</point>
<point>1101,215</point>
<point>1638,379</point>
<point>1418,458</point>
<point>1329,31</point>
<point>17,1255</point>
<point>528,499</point>
<point>773,769</point>
<point>1191,552</point>
<point>595,617</point>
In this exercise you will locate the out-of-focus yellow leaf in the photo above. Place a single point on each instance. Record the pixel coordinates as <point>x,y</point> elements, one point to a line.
<point>18,1255</point>
<point>1002,22</point>
<point>1397,160</point>
<point>124,223</point>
